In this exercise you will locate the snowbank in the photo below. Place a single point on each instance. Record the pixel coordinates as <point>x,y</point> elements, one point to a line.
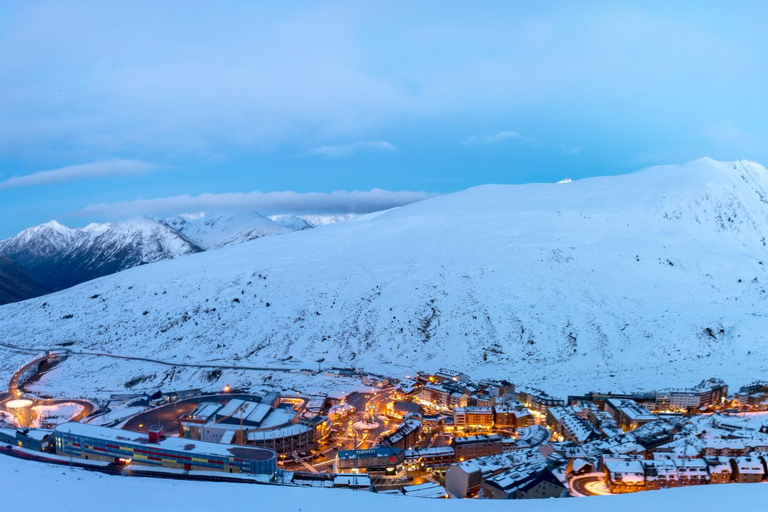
<point>82,491</point>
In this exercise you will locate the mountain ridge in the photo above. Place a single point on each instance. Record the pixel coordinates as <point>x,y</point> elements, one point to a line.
<point>54,257</point>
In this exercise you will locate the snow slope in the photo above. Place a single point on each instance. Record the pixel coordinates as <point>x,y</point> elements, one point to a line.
<point>83,491</point>
<point>214,230</point>
<point>647,280</point>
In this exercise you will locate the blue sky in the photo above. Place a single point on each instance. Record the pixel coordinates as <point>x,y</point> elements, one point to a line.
<point>111,110</point>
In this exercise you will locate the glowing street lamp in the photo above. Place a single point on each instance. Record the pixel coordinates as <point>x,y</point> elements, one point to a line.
<point>227,388</point>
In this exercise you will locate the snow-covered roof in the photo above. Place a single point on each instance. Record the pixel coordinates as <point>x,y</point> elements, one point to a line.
<point>625,470</point>
<point>749,465</point>
<point>351,480</point>
<point>513,479</point>
<point>176,444</point>
<point>425,490</point>
<point>205,410</point>
<point>277,433</point>
<point>632,409</point>
<point>434,451</point>
<point>38,434</point>
<point>479,438</point>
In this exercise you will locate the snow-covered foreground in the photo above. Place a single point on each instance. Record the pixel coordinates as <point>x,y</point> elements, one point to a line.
<point>83,491</point>
<point>643,281</point>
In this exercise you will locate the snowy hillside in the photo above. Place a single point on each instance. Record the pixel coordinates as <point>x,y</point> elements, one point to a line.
<point>211,231</point>
<point>646,280</point>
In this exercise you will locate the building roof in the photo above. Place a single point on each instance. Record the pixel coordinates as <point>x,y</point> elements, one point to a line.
<point>425,490</point>
<point>278,433</point>
<point>749,465</point>
<point>575,426</point>
<point>475,409</point>
<point>517,478</point>
<point>406,407</point>
<point>406,428</point>
<point>38,434</point>
<point>512,407</point>
<point>722,444</point>
<point>204,411</point>
<point>632,409</point>
<point>258,413</point>
<point>236,406</point>
<point>175,444</point>
<point>435,451</point>
<point>625,470</point>
<point>351,480</point>
<point>481,438</point>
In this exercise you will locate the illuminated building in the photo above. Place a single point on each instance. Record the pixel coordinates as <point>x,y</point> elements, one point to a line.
<point>467,417</point>
<point>123,446</point>
<point>628,414</point>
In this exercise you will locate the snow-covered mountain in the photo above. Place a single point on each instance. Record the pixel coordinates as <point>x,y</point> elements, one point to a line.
<point>214,230</point>
<point>58,257</point>
<point>651,279</point>
<point>317,220</point>
<point>37,243</point>
<point>54,257</point>
<point>292,221</point>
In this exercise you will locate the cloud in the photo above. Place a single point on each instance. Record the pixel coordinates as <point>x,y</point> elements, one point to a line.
<point>569,150</point>
<point>377,146</point>
<point>264,202</point>
<point>527,140</point>
<point>494,138</point>
<point>102,169</point>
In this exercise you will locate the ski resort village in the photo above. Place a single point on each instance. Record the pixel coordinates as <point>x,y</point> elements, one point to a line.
<point>439,435</point>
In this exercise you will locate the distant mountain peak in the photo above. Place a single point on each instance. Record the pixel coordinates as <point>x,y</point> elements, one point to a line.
<point>212,230</point>
<point>58,256</point>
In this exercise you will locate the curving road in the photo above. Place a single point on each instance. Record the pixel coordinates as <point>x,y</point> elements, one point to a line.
<point>70,352</point>
<point>26,416</point>
<point>589,485</point>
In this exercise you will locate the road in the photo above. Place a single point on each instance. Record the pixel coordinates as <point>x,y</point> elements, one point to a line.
<point>589,485</point>
<point>26,415</point>
<point>362,402</point>
<point>70,352</point>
